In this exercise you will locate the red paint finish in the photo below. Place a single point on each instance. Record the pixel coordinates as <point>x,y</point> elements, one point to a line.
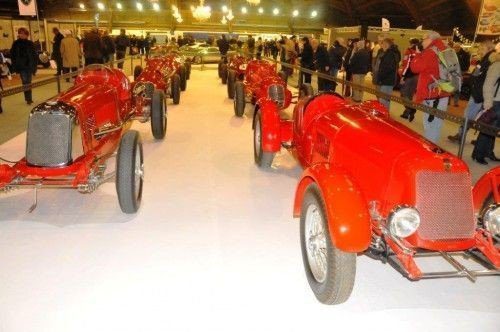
<point>358,155</point>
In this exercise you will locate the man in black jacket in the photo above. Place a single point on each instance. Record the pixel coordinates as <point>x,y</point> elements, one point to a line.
<point>56,49</point>
<point>464,60</point>
<point>336,57</point>
<point>359,65</point>
<point>387,71</point>
<point>121,44</point>
<point>24,60</point>
<point>306,59</point>
<point>322,64</point>
<point>223,45</point>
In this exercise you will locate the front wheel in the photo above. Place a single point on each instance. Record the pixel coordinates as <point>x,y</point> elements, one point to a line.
<point>330,271</point>
<point>231,81</point>
<point>183,77</point>
<point>130,172</point>
<point>239,99</point>
<point>262,159</point>
<point>158,115</point>
<point>176,89</point>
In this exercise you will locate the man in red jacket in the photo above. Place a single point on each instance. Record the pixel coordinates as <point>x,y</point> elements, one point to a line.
<point>426,65</point>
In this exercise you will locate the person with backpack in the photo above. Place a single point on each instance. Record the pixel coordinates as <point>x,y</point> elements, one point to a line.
<point>121,44</point>
<point>485,144</point>
<point>427,65</point>
<point>477,81</point>
<point>24,60</point>
<point>387,70</point>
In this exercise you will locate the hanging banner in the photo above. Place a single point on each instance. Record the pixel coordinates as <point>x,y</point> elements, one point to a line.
<point>488,22</point>
<point>27,7</point>
<point>386,25</point>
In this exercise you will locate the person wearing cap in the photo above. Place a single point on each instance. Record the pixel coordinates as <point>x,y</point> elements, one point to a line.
<point>408,78</point>
<point>426,65</point>
<point>24,60</point>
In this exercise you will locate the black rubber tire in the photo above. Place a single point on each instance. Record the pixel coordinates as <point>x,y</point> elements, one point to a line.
<point>341,266</point>
<point>262,159</point>
<point>158,115</point>
<point>125,172</point>
<point>231,80</point>
<point>283,76</point>
<point>183,77</point>
<point>187,64</point>
<point>176,89</point>
<point>306,90</point>
<point>137,71</point>
<point>219,68</point>
<point>224,74</point>
<point>239,99</point>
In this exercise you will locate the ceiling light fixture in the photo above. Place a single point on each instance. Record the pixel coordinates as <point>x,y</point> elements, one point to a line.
<point>314,13</point>
<point>119,6</point>
<point>224,9</point>
<point>100,5</point>
<point>230,15</point>
<point>156,6</point>
<point>139,6</point>
<point>261,10</point>
<point>82,6</point>
<point>276,11</point>
<point>295,13</point>
<point>244,10</point>
<point>201,12</point>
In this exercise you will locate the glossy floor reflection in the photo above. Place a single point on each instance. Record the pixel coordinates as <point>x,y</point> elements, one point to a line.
<point>213,248</point>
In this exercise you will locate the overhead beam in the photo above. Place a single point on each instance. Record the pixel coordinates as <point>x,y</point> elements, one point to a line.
<point>410,5</point>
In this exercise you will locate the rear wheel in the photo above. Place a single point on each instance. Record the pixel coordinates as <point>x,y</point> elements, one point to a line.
<point>306,90</point>
<point>183,77</point>
<point>130,172</point>
<point>137,71</point>
<point>239,99</point>
<point>176,89</point>
<point>262,159</point>
<point>330,271</point>
<point>224,74</point>
<point>219,68</point>
<point>231,81</point>
<point>158,115</point>
<point>187,64</point>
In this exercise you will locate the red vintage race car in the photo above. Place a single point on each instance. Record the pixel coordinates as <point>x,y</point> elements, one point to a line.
<point>233,68</point>
<point>166,73</point>
<point>373,186</point>
<point>261,84</point>
<point>71,137</point>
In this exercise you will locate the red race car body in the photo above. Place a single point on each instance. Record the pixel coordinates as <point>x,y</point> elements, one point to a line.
<point>233,69</point>
<point>166,72</point>
<point>261,84</point>
<point>71,137</point>
<point>373,186</point>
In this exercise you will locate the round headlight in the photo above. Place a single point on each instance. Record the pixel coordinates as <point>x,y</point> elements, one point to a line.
<point>403,221</point>
<point>491,219</point>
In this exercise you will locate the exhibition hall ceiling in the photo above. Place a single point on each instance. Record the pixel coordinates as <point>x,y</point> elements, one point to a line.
<point>441,15</point>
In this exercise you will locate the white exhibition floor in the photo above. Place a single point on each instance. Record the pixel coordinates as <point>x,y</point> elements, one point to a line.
<point>214,247</point>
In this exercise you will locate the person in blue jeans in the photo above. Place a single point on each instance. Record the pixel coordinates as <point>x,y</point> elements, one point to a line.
<point>24,60</point>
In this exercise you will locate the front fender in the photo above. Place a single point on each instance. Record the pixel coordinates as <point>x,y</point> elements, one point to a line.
<point>486,185</point>
<point>7,174</point>
<point>346,208</point>
<point>271,124</point>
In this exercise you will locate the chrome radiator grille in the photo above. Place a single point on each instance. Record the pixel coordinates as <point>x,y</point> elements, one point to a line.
<point>49,139</point>
<point>277,93</point>
<point>444,201</point>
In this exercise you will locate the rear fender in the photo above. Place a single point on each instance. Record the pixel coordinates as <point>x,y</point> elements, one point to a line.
<point>346,208</point>
<point>486,185</point>
<point>271,124</point>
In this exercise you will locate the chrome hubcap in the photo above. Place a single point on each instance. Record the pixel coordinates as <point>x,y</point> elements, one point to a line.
<point>257,138</point>
<point>138,172</point>
<point>315,239</point>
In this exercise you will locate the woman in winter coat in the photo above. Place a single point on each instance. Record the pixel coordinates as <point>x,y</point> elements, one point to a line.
<point>485,144</point>
<point>71,53</point>
<point>24,60</point>
<point>387,70</point>
<point>426,65</point>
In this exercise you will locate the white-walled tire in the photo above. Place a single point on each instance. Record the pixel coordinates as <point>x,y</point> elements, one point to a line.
<point>330,271</point>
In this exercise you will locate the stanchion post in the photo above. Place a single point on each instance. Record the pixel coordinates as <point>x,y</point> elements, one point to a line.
<point>132,64</point>
<point>462,138</point>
